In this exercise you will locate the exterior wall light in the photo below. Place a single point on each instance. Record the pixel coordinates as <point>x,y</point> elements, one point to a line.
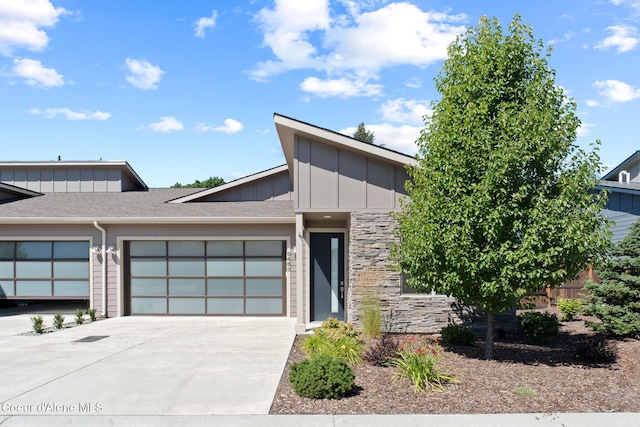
<point>111,249</point>
<point>95,249</point>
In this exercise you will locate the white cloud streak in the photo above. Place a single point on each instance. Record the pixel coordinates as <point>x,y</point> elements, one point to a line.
<point>204,23</point>
<point>617,91</point>
<point>624,38</point>
<point>351,47</point>
<point>50,113</point>
<point>21,23</point>
<point>35,74</point>
<point>583,129</point>
<point>230,126</point>
<point>142,74</point>
<point>166,124</point>
<point>400,138</point>
<point>405,111</point>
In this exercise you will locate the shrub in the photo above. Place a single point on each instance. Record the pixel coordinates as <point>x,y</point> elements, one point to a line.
<point>37,324</point>
<point>322,377</point>
<point>58,321</point>
<point>525,392</point>
<point>381,351</point>
<point>371,315</point>
<point>596,350</point>
<point>419,363</point>
<point>569,307</point>
<point>539,327</point>
<point>336,339</point>
<point>457,335</point>
<point>92,313</point>
<point>79,316</point>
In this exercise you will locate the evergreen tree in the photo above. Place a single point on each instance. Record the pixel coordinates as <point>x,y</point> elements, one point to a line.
<point>616,301</point>
<point>500,203</point>
<point>362,134</point>
<point>213,181</point>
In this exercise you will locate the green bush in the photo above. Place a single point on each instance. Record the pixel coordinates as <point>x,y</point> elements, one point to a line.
<point>539,327</point>
<point>420,363</point>
<point>58,321</point>
<point>79,316</point>
<point>335,339</point>
<point>92,313</point>
<point>457,335</point>
<point>569,307</point>
<point>322,377</point>
<point>596,350</point>
<point>37,324</point>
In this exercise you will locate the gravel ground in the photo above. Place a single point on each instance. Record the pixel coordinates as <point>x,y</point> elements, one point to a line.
<point>562,381</point>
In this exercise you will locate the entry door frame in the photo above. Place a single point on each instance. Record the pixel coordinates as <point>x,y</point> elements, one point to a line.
<point>307,235</point>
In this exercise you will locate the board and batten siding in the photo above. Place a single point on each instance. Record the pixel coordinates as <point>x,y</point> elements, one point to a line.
<point>272,188</point>
<point>328,178</point>
<point>67,180</point>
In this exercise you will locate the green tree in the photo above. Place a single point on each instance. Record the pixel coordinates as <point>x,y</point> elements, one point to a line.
<point>213,181</point>
<point>362,134</point>
<point>500,201</point>
<point>616,301</point>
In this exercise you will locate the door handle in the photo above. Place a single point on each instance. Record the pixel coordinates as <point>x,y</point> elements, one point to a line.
<point>341,290</point>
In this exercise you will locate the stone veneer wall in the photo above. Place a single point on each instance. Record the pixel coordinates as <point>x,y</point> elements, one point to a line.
<point>370,238</point>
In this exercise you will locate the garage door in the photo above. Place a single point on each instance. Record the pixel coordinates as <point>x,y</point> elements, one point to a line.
<point>44,269</point>
<point>206,277</point>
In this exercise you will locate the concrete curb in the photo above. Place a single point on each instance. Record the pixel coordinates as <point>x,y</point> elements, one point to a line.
<point>468,420</point>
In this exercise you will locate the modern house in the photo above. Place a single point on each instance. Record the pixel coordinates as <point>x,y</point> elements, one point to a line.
<point>309,239</point>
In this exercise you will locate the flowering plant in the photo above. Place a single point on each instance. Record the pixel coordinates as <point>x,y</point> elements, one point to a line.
<point>419,362</point>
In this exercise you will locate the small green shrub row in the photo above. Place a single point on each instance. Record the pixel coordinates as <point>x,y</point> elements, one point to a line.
<point>37,322</point>
<point>569,307</point>
<point>539,327</point>
<point>322,377</point>
<point>457,335</point>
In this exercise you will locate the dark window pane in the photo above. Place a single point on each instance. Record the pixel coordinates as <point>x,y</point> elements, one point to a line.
<point>6,250</point>
<point>33,250</point>
<point>68,250</point>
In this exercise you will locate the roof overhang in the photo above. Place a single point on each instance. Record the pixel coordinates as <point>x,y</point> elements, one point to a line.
<point>149,221</point>
<point>612,174</point>
<point>289,128</point>
<point>18,191</point>
<point>228,185</point>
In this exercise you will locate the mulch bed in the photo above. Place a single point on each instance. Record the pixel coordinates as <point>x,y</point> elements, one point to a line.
<point>563,382</point>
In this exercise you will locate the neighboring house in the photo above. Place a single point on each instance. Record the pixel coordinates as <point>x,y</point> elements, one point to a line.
<point>307,240</point>
<point>623,185</point>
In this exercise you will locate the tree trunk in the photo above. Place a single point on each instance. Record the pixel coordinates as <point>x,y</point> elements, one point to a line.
<point>488,346</point>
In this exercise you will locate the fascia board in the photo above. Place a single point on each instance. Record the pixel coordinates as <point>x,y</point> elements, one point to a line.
<point>155,220</point>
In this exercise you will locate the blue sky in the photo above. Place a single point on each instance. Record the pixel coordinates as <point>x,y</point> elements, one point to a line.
<point>187,90</point>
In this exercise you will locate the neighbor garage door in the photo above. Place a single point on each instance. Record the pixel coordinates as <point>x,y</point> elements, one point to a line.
<point>238,277</point>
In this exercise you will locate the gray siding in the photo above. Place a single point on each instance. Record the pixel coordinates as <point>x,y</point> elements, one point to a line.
<point>623,221</point>
<point>328,178</point>
<point>276,187</point>
<point>623,202</point>
<point>67,180</point>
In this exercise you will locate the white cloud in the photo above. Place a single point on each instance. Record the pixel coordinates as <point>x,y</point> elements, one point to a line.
<point>353,46</point>
<point>624,38</point>
<point>617,91</point>
<point>35,74</point>
<point>405,111</point>
<point>583,129</point>
<point>400,138</point>
<point>342,87</point>
<point>414,83</point>
<point>21,23</point>
<point>166,124</point>
<point>230,126</point>
<point>70,114</point>
<point>566,37</point>
<point>142,74</point>
<point>205,22</point>
<point>592,103</point>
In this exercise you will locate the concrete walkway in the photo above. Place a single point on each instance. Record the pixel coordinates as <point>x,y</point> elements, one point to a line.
<point>145,366</point>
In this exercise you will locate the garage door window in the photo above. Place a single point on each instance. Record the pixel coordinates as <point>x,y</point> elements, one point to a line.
<point>44,269</point>
<point>207,277</point>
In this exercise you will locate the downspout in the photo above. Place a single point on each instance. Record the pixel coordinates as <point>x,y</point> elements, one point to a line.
<point>104,267</point>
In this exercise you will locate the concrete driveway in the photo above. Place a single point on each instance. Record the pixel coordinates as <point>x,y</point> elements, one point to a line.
<point>144,366</point>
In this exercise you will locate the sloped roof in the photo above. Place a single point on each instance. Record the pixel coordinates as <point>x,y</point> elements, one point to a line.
<point>140,207</point>
<point>619,187</point>
<point>613,173</point>
<point>17,191</point>
<point>288,127</point>
<point>231,184</point>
